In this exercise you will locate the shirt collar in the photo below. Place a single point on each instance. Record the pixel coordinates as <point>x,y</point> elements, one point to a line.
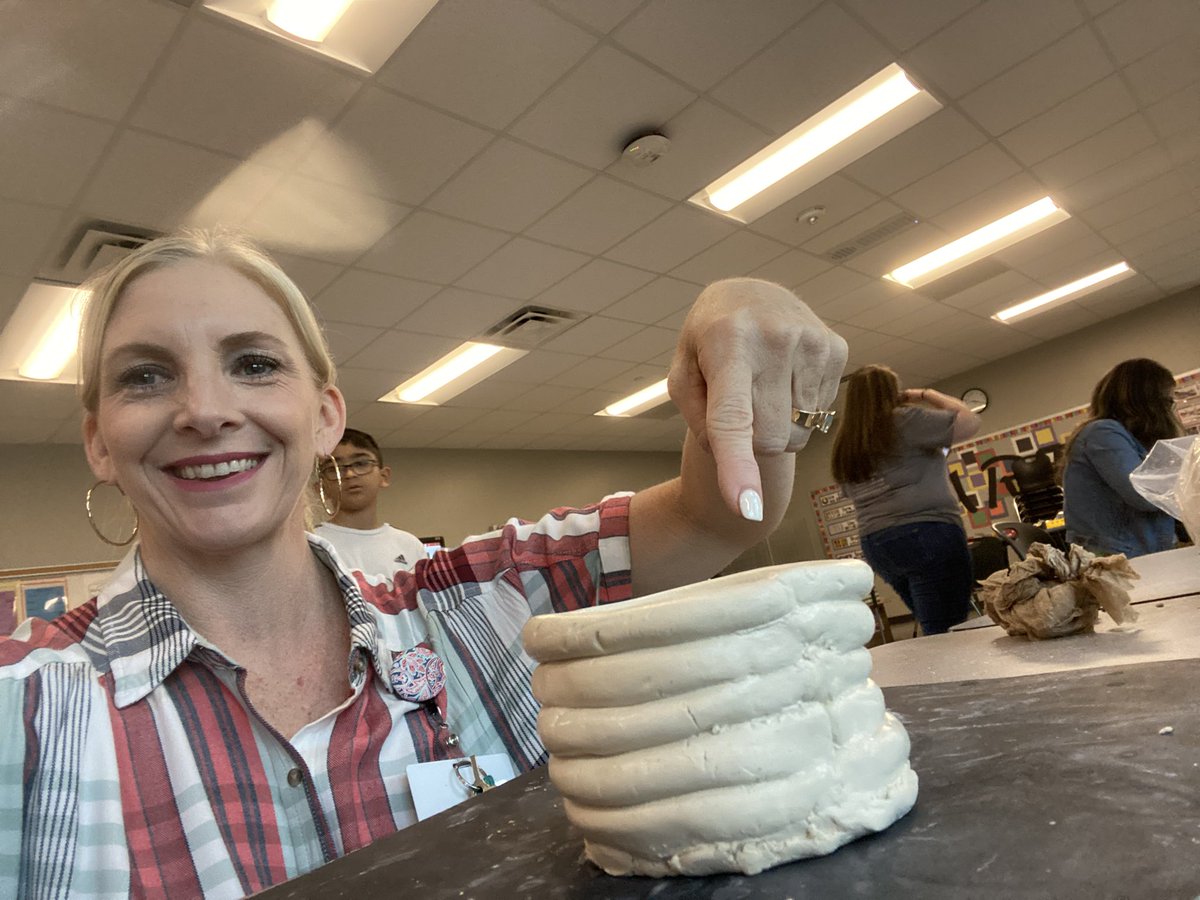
<point>145,637</point>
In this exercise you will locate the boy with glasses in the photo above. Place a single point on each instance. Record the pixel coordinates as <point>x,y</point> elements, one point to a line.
<point>361,541</point>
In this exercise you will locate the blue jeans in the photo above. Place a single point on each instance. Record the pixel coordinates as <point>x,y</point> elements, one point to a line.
<point>928,565</point>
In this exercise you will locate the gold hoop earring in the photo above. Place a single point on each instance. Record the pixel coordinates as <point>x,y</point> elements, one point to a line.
<point>87,504</point>
<point>337,471</point>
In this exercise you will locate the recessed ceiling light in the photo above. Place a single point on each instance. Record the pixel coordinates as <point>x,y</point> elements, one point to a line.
<point>995,236</point>
<point>639,402</point>
<point>461,368</point>
<point>1076,288</point>
<point>361,34</point>
<point>874,112</point>
<point>309,20</point>
<point>40,339</point>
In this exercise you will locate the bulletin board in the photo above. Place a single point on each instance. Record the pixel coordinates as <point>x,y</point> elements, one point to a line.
<point>48,591</point>
<point>981,472</point>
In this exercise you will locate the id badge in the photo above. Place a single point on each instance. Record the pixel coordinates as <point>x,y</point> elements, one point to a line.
<point>436,787</point>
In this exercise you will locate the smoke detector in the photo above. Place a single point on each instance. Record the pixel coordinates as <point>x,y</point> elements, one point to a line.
<point>646,150</point>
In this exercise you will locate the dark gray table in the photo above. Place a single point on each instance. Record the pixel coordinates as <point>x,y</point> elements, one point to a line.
<point>1045,786</point>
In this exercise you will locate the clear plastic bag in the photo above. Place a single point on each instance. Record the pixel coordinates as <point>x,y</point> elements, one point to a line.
<point>1169,477</point>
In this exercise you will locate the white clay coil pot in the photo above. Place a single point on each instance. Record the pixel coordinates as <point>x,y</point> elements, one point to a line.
<point>729,725</point>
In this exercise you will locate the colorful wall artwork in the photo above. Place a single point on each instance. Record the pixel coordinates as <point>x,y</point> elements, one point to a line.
<point>981,472</point>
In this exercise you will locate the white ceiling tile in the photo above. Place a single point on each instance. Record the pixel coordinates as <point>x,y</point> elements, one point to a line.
<point>401,353</point>
<point>995,293</point>
<point>1066,241</point>
<point>1057,321</point>
<point>1166,70</point>
<point>601,213</point>
<point>597,285</point>
<point>1136,27</point>
<point>485,61</point>
<point>459,314</point>
<point>593,336</point>
<point>544,399</point>
<point>21,400</point>
<point>508,186</point>
<point>1179,112</point>
<point>912,154</point>
<point>671,239</point>
<point>908,22</point>
<point>394,147</point>
<point>362,386</point>
<point>345,340</point>
<point>45,153</point>
<point>660,298</point>
<point>276,88</point>
<point>1170,240</point>
<point>369,298</point>
<point>1110,146</point>
<point>304,215</point>
<point>1182,208</point>
<point>27,234</point>
<point>1129,173</point>
<point>1053,75</point>
<point>430,247</point>
<point>492,393</point>
<point>156,183</point>
<point>825,292</point>
<point>957,181</point>
<point>1107,307</point>
<point>602,17</point>
<point>592,373</point>
<point>1152,193</point>
<point>736,255</point>
<point>594,111</point>
<point>992,37</point>
<point>838,197</point>
<point>377,419</point>
<point>897,308</point>
<point>988,205</point>
<point>12,289</point>
<point>885,256</point>
<point>643,346</point>
<point>635,379</point>
<point>706,142</point>
<point>1095,7</point>
<point>1073,120</point>
<point>824,56</point>
<point>702,41</point>
<point>522,268</point>
<point>439,418</point>
<point>792,268</point>
<point>542,366</point>
<point>311,275</point>
<point>87,57</point>
<point>849,229</point>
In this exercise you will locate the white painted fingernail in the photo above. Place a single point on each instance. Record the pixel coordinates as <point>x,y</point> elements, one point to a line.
<point>751,505</point>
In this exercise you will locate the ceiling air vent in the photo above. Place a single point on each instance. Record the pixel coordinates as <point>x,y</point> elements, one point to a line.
<point>532,326</point>
<point>94,245</point>
<point>881,232</point>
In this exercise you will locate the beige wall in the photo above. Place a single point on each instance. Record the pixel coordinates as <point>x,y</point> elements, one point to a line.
<point>457,492</point>
<point>447,492</point>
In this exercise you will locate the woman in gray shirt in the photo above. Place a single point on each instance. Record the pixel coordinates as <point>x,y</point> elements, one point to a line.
<point>889,457</point>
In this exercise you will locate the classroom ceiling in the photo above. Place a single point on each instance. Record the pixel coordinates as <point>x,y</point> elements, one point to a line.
<point>479,170</point>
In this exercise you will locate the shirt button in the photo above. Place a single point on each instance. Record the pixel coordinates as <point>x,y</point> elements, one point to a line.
<point>295,777</point>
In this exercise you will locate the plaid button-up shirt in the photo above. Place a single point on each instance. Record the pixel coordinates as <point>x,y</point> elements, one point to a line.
<point>131,762</point>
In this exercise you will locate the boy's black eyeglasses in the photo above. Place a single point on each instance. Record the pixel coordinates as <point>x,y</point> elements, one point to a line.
<point>354,467</point>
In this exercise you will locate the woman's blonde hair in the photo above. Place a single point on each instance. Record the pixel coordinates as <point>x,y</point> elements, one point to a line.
<point>867,431</point>
<point>220,246</point>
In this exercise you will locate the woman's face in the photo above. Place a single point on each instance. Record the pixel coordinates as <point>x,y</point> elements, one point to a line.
<point>208,417</point>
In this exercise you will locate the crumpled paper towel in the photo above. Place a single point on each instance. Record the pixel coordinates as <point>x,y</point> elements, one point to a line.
<point>1050,593</point>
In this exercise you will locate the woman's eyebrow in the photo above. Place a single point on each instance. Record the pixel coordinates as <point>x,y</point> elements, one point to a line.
<point>244,339</point>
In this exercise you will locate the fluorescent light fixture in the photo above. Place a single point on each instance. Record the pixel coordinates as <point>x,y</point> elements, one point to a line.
<point>646,398</point>
<point>871,114</point>
<point>995,236</point>
<point>40,339</point>
<point>1076,288</point>
<point>309,20</point>
<point>363,35</point>
<point>461,368</point>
